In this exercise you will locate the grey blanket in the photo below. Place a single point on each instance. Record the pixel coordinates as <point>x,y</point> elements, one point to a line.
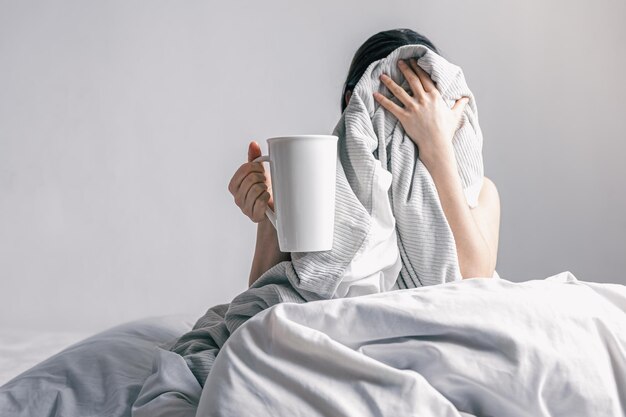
<point>368,135</point>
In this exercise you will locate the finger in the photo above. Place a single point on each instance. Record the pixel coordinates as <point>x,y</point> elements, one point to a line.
<point>460,104</point>
<point>412,78</point>
<point>270,202</point>
<point>427,82</point>
<point>254,151</point>
<point>250,179</point>
<point>253,193</point>
<point>459,107</point>
<point>260,204</point>
<point>397,91</point>
<point>396,110</point>
<point>240,174</point>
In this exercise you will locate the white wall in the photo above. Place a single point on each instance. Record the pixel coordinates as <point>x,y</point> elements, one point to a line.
<point>122,122</point>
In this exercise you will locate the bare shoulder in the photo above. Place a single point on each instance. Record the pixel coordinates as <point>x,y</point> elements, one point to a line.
<point>489,198</point>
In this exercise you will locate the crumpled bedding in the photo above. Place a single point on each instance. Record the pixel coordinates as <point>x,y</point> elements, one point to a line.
<point>473,348</point>
<point>478,347</point>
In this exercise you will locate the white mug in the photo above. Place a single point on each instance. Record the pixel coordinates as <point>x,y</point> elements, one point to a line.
<point>303,170</point>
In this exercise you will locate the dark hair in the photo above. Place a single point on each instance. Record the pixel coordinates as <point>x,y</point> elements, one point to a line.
<point>377,47</point>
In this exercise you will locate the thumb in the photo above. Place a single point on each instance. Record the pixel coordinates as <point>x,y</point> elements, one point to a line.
<point>254,151</point>
<point>458,109</point>
<point>459,106</point>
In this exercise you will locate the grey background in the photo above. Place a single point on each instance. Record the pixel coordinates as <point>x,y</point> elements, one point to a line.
<point>121,123</point>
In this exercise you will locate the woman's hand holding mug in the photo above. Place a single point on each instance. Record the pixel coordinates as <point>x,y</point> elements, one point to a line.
<point>301,184</point>
<point>251,187</point>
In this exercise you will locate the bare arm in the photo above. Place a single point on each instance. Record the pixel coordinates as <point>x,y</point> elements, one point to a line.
<point>475,254</point>
<point>266,253</point>
<point>487,217</point>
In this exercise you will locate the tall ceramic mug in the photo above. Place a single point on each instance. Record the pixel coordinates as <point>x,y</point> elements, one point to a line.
<point>303,169</point>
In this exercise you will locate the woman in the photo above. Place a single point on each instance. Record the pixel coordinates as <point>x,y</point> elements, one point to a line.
<point>431,124</point>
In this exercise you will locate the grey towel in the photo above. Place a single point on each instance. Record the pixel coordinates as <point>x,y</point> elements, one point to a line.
<point>367,134</point>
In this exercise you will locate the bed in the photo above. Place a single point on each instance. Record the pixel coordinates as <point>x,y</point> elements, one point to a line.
<point>479,347</point>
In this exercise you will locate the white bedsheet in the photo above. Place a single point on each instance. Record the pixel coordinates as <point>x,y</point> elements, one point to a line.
<point>484,347</point>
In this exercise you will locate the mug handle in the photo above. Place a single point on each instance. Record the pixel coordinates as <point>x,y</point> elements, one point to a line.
<point>268,212</point>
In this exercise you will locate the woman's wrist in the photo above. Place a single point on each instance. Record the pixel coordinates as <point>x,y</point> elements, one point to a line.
<point>438,159</point>
<point>266,233</point>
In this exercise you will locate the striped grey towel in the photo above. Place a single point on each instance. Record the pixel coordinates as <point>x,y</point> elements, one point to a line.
<point>368,135</point>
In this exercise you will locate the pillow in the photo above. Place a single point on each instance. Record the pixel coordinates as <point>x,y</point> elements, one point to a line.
<point>100,375</point>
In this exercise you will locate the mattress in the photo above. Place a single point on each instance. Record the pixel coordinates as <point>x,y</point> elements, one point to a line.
<point>82,374</point>
<point>20,349</point>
